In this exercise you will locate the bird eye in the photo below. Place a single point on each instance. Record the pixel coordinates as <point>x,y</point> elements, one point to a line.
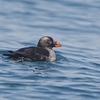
<point>48,40</point>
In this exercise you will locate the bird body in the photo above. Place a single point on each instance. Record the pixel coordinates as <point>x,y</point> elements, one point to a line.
<point>43,51</point>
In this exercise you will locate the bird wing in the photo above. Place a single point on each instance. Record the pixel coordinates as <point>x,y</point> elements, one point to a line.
<point>33,53</point>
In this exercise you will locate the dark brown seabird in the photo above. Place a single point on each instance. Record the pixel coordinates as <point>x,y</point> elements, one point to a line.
<point>43,51</point>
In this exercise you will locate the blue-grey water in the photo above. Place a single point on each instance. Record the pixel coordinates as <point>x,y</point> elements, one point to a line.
<point>75,75</point>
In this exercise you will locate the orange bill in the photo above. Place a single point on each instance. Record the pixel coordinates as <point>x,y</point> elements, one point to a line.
<point>57,44</point>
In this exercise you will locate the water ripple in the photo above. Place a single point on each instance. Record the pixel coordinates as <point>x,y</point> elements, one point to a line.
<point>75,75</point>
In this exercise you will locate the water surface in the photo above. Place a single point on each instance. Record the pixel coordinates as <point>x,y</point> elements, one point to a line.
<point>75,75</point>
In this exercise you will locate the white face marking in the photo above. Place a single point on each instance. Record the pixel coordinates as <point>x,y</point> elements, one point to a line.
<point>45,38</point>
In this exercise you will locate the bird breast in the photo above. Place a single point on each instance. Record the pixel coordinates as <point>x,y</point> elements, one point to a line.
<point>52,56</point>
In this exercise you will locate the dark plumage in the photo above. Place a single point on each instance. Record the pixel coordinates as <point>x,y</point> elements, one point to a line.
<point>43,51</point>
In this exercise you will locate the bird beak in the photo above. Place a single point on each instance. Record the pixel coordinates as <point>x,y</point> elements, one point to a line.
<point>57,44</point>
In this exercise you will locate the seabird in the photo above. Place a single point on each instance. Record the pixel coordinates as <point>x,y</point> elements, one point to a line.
<point>43,51</point>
